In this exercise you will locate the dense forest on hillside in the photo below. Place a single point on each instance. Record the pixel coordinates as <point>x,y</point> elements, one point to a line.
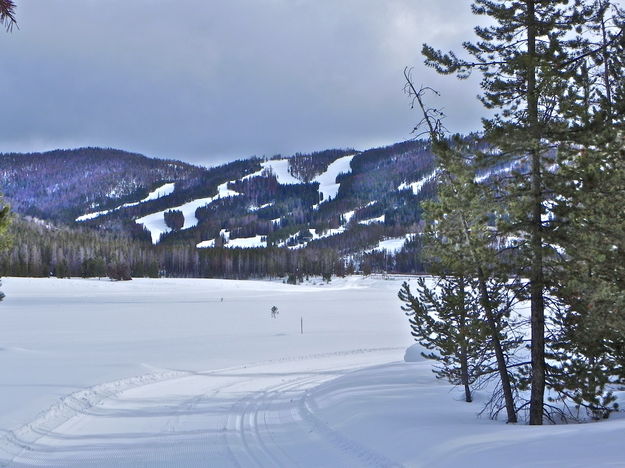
<point>41,249</point>
<point>302,232</point>
<point>63,184</point>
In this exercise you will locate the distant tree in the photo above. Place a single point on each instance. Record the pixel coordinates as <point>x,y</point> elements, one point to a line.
<point>119,271</point>
<point>5,239</point>
<point>93,267</point>
<point>174,219</point>
<point>62,269</point>
<point>87,268</point>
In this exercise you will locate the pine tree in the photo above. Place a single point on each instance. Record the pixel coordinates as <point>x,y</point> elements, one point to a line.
<point>7,14</point>
<point>459,239</point>
<point>527,58</point>
<point>5,240</point>
<point>446,320</point>
<point>590,344</point>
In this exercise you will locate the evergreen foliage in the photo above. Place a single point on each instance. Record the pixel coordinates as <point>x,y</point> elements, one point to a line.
<point>446,321</point>
<point>174,219</point>
<point>551,72</point>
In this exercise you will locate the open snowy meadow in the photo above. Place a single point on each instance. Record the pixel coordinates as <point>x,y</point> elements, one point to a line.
<point>191,373</point>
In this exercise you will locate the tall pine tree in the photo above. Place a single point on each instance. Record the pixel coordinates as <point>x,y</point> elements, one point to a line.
<point>526,58</point>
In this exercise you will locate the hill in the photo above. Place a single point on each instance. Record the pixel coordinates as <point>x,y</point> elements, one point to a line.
<point>361,208</point>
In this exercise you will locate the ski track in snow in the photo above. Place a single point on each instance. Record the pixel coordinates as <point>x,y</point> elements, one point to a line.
<point>257,415</point>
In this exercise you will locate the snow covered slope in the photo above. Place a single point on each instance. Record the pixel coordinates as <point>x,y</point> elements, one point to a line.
<point>327,181</point>
<point>161,191</point>
<point>417,186</point>
<point>392,245</point>
<point>279,168</point>
<point>155,222</point>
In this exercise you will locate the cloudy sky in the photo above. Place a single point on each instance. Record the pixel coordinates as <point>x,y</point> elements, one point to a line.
<point>212,80</point>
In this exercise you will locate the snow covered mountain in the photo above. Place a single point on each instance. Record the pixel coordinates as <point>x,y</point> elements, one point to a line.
<point>323,208</point>
<point>284,201</point>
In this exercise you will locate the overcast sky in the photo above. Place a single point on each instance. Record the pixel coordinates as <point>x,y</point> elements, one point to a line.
<point>207,81</point>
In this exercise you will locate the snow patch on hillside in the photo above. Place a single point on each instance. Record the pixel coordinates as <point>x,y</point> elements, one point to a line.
<point>161,191</point>
<point>392,245</point>
<point>379,219</point>
<point>316,234</point>
<point>240,242</point>
<point>248,242</point>
<point>254,208</point>
<point>347,217</point>
<point>279,168</point>
<point>155,222</point>
<point>417,186</point>
<point>327,180</point>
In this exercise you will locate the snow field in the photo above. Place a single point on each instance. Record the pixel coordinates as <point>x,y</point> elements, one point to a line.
<point>166,373</point>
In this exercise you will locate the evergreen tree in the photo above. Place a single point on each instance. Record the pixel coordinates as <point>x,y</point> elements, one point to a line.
<point>460,240</point>
<point>590,342</point>
<point>174,219</point>
<point>527,58</point>
<point>5,239</point>
<point>446,320</point>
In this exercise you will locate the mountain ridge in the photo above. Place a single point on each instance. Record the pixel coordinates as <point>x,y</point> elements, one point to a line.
<point>344,202</point>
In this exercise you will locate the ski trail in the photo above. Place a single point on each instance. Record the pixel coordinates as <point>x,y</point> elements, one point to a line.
<point>246,416</point>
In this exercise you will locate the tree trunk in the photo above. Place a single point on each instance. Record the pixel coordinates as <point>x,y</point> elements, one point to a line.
<point>464,359</point>
<point>501,359</point>
<point>537,280</point>
<point>464,375</point>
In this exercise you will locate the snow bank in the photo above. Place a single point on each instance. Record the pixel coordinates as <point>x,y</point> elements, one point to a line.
<point>413,353</point>
<point>400,414</point>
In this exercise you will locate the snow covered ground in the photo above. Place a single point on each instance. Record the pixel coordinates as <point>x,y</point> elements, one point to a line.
<point>196,373</point>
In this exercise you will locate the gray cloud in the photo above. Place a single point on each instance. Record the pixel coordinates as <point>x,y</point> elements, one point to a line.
<point>211,80</point>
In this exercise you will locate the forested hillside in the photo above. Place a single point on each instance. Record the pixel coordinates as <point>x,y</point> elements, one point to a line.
<point>327,212</point>
<point>62,184</point>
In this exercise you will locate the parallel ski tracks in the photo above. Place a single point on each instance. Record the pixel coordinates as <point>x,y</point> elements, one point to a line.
<point>265,427</point>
